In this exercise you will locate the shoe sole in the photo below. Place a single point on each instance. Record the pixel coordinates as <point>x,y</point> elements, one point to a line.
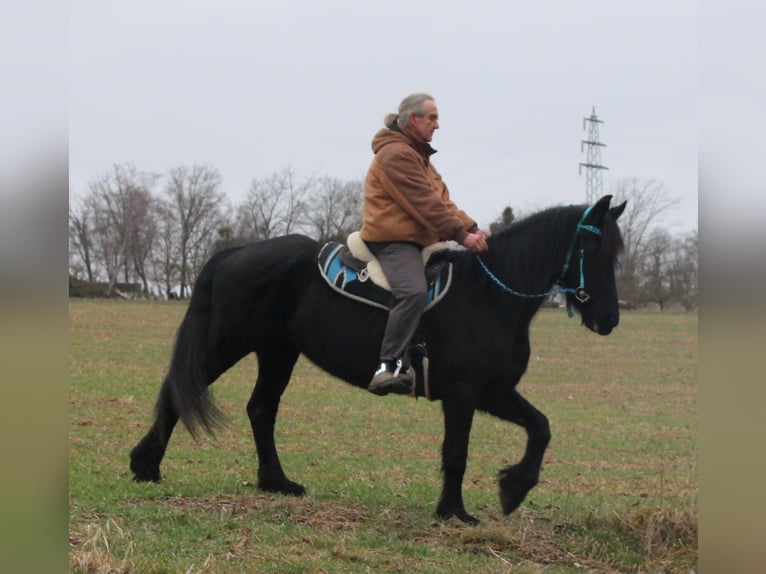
<point>399,385</point>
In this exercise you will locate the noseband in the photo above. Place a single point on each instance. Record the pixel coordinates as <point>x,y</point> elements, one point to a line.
<point>579,292</point>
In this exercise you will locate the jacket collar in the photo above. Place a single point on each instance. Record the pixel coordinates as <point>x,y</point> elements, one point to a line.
<point>423,148</point>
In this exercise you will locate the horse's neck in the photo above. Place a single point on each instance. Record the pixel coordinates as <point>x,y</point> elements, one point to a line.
<point>534,261</point>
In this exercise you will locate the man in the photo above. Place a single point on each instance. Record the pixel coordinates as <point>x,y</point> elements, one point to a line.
<point>407,207</point>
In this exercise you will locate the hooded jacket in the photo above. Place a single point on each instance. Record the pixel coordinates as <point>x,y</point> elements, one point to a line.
<point>405,198</point>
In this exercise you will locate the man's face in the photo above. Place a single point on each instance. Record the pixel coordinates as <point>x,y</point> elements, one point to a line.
<point>425,125</point>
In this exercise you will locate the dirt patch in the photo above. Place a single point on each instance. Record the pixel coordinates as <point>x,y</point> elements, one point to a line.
<point>327,516</point>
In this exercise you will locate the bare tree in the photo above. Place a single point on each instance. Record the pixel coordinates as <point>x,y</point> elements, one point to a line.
<point>294,202</point>
<point>108,241</point>
<point>259,213</point>
<point>647,201</point>
<point>335,209</point>
<point>655,283</point>
<point>194,199</point>
<point>683,274</point>
<point>119,203</point>
<point>165,263</point>
<point>80,241</point>
<point>274,206</point>
<point>142,236</point>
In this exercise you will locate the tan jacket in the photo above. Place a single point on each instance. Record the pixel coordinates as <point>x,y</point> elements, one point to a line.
<point>405,198</point>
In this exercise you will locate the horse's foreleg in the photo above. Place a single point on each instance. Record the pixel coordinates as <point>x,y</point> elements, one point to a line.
<point>146,456</point>
<point>458,417</point>
<point>275,365</point>
<point>517,480</point>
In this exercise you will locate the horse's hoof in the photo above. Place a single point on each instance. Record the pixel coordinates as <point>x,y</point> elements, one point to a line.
<point>294,489</point>
<point>461,515</point>
<point>147,477</point>
<point>144,472</point>
<point>513,489</point>
<point>510,503</point>
<point>287,487</point>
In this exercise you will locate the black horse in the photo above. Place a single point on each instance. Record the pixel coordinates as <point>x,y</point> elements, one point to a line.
<point>268,298</point>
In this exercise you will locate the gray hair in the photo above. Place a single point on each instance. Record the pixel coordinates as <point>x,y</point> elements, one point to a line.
<point>412,104</point>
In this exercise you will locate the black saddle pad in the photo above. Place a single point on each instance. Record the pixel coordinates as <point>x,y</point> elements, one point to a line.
<point>348,276</point>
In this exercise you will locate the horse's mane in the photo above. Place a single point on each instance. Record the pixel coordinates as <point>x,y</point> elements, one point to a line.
<point>530,251</point>
<point>530,232</point>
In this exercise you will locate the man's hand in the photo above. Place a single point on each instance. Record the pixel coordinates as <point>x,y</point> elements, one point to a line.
<point>485,233</point>
<point>476,242</point>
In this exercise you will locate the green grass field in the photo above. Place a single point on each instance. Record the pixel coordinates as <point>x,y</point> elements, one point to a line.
<point>618,490</point>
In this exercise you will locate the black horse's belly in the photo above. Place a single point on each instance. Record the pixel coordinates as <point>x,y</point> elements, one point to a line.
<point>339,335</point>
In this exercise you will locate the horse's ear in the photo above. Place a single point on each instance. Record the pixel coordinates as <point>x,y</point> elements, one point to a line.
<point>616,211</point>
<point>598,211</point>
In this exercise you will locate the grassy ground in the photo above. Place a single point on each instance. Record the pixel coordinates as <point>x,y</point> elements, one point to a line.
<point>618,490</point>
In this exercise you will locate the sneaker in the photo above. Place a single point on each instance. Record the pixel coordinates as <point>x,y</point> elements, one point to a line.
<point>389,379</point>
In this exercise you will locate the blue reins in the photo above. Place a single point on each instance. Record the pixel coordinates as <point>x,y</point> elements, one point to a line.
<point>579,292</point>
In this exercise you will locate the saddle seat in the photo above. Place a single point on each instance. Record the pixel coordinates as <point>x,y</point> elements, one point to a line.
<point>352,270</point>
<point>359,250</point>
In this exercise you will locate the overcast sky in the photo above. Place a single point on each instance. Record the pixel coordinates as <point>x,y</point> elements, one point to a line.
<point>254,87</point>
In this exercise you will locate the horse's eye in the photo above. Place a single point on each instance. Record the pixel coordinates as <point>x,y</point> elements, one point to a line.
<point>618,264</point>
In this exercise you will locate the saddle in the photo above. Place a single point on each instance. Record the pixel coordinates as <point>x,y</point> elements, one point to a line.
<point>353,271</point>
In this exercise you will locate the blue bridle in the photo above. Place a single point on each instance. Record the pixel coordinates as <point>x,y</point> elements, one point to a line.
<point>579,292</point>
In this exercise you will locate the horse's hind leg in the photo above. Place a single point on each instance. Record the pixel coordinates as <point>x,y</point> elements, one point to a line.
<point>517,480</point>
<point>147,455</point>
<point>275,365</point>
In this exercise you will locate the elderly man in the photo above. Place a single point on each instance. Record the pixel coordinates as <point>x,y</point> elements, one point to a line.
<point>407,207</point>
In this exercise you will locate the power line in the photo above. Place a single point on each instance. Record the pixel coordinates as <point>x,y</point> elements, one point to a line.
<point>691,145</point>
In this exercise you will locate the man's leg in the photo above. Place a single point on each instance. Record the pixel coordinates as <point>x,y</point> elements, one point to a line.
<point>403,266</point>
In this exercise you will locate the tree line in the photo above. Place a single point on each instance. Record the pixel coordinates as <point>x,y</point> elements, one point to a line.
<point>657,267</point>
<point>134,227</point>
<point>153,232</point>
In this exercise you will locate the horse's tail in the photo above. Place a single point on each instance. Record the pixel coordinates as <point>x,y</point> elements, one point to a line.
<point>186,383</point>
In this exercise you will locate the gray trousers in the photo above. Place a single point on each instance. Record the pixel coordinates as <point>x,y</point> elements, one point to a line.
<point>402,264</point>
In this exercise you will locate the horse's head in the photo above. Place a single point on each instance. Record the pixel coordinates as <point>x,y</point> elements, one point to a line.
<point>594,256</point>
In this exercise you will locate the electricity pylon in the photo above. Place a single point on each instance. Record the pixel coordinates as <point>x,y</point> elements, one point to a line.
<point>594,186</point>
